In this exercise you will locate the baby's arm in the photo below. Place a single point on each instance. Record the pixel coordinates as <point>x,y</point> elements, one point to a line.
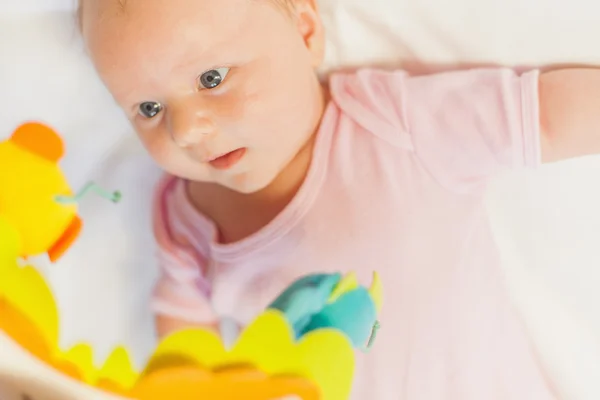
<point>181,296</point>
<point>569,113</point>
<point>178,301</point>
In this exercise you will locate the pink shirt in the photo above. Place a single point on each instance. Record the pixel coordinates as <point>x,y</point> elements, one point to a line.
<point>396,185</point>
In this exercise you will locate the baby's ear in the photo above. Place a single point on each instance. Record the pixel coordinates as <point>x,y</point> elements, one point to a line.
<point>311,28</point>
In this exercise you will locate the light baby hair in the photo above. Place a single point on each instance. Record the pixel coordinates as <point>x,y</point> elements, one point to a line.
<point>287,5</point>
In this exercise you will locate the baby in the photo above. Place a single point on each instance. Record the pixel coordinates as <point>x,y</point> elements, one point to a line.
<point>274,175</point>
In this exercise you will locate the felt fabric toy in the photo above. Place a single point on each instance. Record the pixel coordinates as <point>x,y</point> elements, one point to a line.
<point>301,347</point>
<point>333,301</point>
<point>268,360</point>
<point>31,179</point>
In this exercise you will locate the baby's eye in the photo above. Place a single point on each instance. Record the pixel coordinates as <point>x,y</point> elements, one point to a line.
<point>213,78</point>
<point>150,109</point>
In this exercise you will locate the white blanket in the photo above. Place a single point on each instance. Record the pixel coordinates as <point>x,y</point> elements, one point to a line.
<point>546,222</point>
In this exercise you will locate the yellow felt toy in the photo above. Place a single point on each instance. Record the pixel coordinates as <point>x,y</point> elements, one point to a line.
<point>30,182</point>
<point>266,362</point>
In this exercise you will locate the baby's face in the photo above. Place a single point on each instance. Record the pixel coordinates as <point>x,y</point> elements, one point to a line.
<point>222,91</point>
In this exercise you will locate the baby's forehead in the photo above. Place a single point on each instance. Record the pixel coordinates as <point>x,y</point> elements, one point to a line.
<point>157,38</point>
<point>145,15</point>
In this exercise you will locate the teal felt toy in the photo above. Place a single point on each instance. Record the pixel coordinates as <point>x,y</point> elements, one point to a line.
<point>333,301</point>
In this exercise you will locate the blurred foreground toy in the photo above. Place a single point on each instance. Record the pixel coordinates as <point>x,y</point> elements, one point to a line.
<point>333,301</point>
<point>265,363</point>
<point>268,361</point>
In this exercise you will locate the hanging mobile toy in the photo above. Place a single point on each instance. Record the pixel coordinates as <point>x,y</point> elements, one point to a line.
<point>35,198</point>
<point>301,348</point>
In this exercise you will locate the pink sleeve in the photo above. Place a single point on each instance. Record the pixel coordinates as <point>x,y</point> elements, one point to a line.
<point>467,126</point>
<point>182,291</point>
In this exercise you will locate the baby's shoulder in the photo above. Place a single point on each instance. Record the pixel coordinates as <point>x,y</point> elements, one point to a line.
<point>375,100</point>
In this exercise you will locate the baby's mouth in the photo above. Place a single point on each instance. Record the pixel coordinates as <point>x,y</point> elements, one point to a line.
<point>227,160</point>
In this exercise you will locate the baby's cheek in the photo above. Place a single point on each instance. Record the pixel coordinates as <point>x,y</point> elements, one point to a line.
<point>160,148</point>
<point>232,107</point>
<point>235,114</point>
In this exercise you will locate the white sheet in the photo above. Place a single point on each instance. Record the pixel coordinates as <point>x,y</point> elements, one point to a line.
<point>36,6</point>
<point>546,222</point>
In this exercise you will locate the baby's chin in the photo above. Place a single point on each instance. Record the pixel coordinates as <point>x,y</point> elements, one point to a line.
<point>248,182</point>
<point>243,182</point>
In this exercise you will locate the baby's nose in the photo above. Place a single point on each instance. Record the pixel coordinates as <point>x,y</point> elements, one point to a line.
<point>189,126</point>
